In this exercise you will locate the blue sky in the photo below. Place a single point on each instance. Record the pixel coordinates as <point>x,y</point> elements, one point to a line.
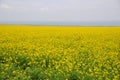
<point>60,10</point>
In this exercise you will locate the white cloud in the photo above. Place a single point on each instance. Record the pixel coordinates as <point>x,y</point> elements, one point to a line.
<point>5,6</point>
<point>44,9</point>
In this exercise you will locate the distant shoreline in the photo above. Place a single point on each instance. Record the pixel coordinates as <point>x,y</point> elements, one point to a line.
<point>30,25</point>
<point>62,23</point>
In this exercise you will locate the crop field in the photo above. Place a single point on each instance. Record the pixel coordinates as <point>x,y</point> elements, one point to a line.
<point>59,53</point>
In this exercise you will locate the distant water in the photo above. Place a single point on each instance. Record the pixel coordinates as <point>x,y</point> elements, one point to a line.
<point>110,23</point>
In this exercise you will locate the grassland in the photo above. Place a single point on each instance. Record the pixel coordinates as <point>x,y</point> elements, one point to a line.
<point>59,53</point>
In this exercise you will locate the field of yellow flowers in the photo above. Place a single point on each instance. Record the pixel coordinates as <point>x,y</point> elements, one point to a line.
<point>59,53</point>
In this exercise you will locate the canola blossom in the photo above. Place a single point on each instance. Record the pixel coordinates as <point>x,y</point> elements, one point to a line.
<point>59,53</point>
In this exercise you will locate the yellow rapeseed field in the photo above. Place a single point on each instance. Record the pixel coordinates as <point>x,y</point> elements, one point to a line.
<point>59,53</point>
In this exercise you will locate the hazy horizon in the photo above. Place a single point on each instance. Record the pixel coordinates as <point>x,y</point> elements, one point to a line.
<point>65,23</point>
